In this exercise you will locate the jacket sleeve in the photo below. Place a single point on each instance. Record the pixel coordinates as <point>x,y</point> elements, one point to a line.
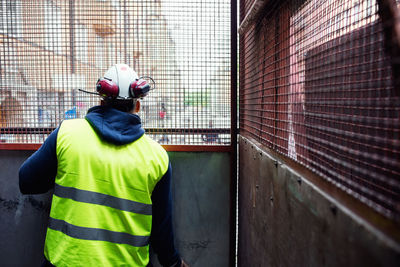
<point>162,236</point>
<point>38,172</point>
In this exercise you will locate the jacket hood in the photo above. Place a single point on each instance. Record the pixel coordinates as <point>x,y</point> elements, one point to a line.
<point>115,126</point>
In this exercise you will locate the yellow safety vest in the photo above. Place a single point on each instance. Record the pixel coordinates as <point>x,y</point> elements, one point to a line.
<point>101,207</point>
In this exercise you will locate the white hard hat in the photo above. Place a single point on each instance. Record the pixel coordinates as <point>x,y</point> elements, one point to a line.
<point>122,75</point>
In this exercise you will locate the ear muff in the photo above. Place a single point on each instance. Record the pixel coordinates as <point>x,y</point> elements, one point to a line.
<point>139,88</point>
<point>107,88</point>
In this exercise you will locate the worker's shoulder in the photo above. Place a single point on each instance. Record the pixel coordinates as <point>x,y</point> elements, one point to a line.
<point>76,121</point>
<point>153,144</point>
<point>72,125</point>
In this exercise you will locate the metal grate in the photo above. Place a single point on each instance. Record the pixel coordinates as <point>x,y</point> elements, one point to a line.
<point>51,48</point>
<point>316,86</point>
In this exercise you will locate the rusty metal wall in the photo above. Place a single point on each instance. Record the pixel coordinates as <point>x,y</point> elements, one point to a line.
<point>285,220</point>
<point>201,195</point>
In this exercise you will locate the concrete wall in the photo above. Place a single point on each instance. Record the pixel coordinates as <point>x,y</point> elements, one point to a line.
<point>23,218</point>
<point>201,210</point>
<point>285,220</point>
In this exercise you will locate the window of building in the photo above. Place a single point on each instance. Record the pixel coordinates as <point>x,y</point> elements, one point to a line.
<point>100,53</point>
<point>10,22</point>
<point>114,54</point>
<point>53,28</point>
<point>49,114</point>
<point>81,42</point>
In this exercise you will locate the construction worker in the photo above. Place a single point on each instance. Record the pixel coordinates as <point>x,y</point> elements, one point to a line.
<point>112,196</point>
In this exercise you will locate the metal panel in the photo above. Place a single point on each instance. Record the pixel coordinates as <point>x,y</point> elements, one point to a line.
<point>285,220</point>
<point>23,218</point>
<point>201,192</point>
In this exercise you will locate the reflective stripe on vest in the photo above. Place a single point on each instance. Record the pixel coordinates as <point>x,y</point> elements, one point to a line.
<point>97,234</point>
<point>101,199</point>
<point>101,207</point>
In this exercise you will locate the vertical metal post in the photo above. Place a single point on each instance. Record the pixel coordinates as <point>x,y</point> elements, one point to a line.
<point>72,34</point>
<point>72,43</point>
<point>276,78</point>
<point>234,132</point>
<point>126,29</point>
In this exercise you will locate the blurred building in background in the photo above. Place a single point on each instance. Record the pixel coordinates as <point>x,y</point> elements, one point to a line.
<point>50,49</point>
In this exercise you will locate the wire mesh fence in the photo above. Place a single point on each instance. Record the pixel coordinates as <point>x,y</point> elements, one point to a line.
<point>316,86</point>
<point>51,48</point>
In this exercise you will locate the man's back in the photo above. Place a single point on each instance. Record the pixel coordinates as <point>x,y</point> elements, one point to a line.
<point>112,195</point>
<point>102,193</point>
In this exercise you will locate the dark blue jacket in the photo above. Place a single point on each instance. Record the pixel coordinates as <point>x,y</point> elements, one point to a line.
<point>37,174</point>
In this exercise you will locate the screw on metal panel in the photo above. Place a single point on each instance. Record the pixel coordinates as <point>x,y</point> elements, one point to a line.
<point>271,198</point>
<point>276,163</point>
<point>257,186</point>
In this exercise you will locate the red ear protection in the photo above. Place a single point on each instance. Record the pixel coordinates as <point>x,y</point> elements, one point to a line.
<point>107,88</point>
<point>139,88</point>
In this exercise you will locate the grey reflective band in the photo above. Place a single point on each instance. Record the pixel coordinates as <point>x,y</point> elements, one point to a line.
<point>97,234</point>
<point>102,199</point>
